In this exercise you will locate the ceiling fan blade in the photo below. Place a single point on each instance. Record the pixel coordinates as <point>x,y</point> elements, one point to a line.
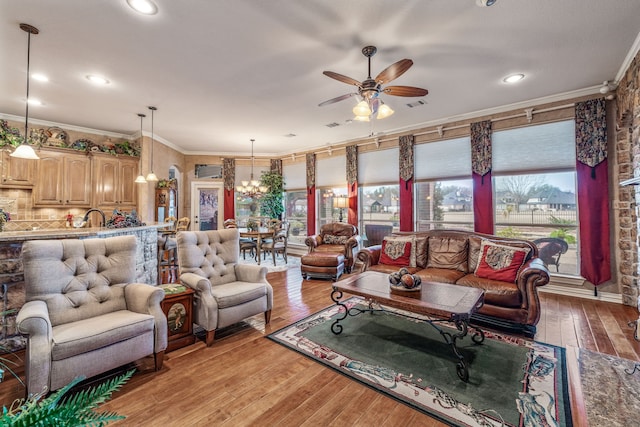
<point>340,77</point>
<point>393,71</point>
<point>405,91</point>
<point>336,99</point>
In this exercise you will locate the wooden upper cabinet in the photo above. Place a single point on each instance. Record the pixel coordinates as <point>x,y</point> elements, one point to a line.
<point>17,173</point>
<point>127,185</point>
<point>62,179</point>
<point>114,184</point>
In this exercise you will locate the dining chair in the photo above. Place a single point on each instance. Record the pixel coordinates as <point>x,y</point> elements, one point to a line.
<point>279,243</point>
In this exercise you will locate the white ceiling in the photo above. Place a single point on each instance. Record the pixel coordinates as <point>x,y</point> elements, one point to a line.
<point>222,72</point>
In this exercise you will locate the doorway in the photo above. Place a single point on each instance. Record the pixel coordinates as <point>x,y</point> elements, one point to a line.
<point>206,206</point>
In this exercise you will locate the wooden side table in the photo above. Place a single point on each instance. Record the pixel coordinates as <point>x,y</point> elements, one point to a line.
<point>178,307</point>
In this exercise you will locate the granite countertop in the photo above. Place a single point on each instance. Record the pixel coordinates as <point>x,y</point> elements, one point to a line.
<point>71,233</point>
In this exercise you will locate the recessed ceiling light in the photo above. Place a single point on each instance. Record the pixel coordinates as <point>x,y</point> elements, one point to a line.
<point>40,77</point>
<point>97,79</point>
<point>33,101</point>
<point>513,78</point>
<point>146,7</point>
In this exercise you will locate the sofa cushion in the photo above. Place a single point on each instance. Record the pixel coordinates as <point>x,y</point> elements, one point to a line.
<point>396,251</point>
<point>500,262</point>
<point>496,292</point>
<point>338,249</point>
<point>383,268</point>
<point>442,275</point>
<point>447,252</point>
<point>421,245</point>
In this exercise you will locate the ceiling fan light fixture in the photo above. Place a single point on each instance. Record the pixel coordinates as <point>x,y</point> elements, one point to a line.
<point>384,111</point>
<point>361,118</point>
<point>362,109</point>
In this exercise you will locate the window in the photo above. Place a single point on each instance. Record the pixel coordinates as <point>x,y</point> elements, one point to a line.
<point>535,195</point>
<point>444,204</point>
<point>295,211</point>
<point>537,206</point>
<point>379,204</point>
<point>327,210</point>
<point>246,207</point>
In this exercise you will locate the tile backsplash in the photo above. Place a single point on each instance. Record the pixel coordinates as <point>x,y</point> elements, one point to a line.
<point>19,203</point>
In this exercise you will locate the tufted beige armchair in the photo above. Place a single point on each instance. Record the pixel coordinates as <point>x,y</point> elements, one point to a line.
<point>83,314</point>
<point>337,237</point>
<point>226,292</point>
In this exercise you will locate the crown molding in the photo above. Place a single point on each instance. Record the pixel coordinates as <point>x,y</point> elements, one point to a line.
<point>635,47</point>
<point>67,126</point>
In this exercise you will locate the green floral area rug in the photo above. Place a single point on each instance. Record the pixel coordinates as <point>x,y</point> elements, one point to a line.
<point>512,381</point>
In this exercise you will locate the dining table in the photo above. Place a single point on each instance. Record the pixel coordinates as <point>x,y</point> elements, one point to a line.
<point>257,235</point>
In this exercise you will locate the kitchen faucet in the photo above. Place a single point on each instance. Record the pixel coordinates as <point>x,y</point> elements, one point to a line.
<point>86,216</point>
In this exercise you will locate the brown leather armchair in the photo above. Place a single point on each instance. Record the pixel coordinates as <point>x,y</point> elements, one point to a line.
<point>337,237</point>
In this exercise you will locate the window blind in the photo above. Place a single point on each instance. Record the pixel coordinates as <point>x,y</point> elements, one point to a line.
<point>295,176</point>
<point>331,171</point>
<point>535,148</point>
<point>443,159</point>
<point>378,166</point>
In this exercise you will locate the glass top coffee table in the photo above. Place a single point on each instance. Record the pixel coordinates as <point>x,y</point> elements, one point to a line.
<point>440,302</point>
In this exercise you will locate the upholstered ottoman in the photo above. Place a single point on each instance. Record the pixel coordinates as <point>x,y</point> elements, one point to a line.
<point>323,265</point>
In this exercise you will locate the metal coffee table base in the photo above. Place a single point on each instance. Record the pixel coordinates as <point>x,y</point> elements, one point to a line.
<point>461,323</point>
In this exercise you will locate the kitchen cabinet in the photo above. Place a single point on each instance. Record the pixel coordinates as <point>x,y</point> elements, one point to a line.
<point>114,182</point>
<point>63,178</point>
<point>16,172</point>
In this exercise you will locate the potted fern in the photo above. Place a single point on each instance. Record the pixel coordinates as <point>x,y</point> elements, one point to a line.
<point>60,409</point>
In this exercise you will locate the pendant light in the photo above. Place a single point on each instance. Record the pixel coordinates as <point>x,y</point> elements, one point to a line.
<point>24,150</point>
<point>140,179</point>
<point>151,177</point>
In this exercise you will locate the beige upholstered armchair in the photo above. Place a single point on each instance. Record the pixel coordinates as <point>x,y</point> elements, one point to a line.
<point>83,314</point>
<point>226,292</point>
<point>337,237</point>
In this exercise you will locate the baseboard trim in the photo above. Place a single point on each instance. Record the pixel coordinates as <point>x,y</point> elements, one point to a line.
<point>581,293</point>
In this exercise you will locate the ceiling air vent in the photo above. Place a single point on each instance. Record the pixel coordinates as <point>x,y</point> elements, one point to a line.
<point>209,171</point>
<point>333,125</point>
<point>416,104</point>
<point>290,135</point>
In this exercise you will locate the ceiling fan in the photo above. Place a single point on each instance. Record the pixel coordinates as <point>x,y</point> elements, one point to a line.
<point>370,89</point>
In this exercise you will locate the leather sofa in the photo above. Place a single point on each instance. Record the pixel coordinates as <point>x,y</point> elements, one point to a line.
<point>508,270</point>
<point>337,237</point>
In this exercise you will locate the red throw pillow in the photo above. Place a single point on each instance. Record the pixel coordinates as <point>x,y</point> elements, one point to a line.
<point>500,262</point>
<point>395,252</point>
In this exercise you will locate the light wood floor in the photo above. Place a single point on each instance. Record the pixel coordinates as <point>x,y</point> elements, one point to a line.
<point>245,379</point>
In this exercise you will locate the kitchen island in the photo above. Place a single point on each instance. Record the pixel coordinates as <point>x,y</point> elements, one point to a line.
<point>11,273</point>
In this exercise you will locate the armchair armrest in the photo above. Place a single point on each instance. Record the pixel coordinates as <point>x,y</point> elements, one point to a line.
<point>196,282</point>
<point>534,273</point>
<point>33,320</point>
<point>313,241</point>
<point>369,256</point>
<point>207,309</point>
<point>354,242</point>
<point>251,273</point>
<point>144,298</point>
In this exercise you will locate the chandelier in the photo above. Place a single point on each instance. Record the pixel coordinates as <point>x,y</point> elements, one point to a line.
<point>252,188</point>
